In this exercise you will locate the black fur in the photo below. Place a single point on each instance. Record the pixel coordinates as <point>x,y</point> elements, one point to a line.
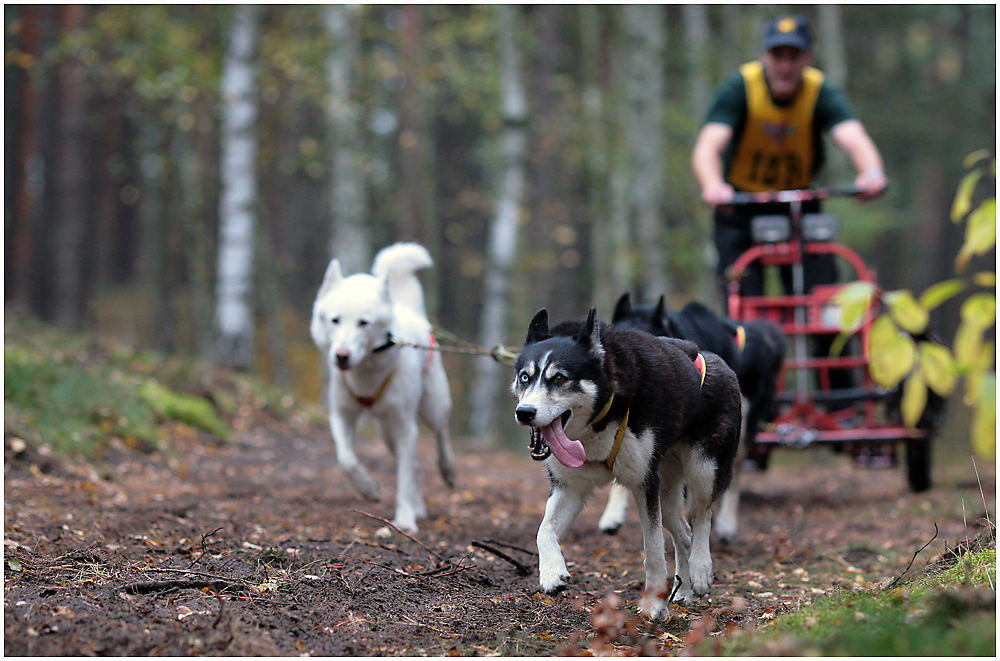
<point>756,367</point>
<point>656,380</point>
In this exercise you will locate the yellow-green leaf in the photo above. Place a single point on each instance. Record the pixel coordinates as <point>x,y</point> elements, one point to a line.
<point>963,198</point>
<point>980,310</point>
<point>975,157</point>
<point>937,368</point>
<point>853,300</point>
<point>906,311</point>
<point>892,353</point>
<point>984,419</point>
<point>938,293</point>
<point>914,400</point>
<point>968,342</point>
<point>981,229</point>
<point>985,279</point>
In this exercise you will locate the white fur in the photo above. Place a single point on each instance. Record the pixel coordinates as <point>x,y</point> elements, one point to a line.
<point>354,315</point>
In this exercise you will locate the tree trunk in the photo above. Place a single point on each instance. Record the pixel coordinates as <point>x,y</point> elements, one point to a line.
<point>350,237</point>
<point>410,220</point>
<point>833,60</point>
<point>502,242</point>
<point>234,286</point>
<point>22,159</point>
<point>70,180</point>
<point>696,36</point>
<point>645,44</point>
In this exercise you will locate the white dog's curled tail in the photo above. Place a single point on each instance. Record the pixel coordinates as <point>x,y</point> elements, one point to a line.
<point>399,263</point>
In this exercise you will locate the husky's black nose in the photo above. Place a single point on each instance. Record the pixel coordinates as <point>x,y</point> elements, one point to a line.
<point>525,414</point>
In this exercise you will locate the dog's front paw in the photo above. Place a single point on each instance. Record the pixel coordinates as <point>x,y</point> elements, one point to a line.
<point>553,579</point>
<point>701,575</point>
<point>652,603</point>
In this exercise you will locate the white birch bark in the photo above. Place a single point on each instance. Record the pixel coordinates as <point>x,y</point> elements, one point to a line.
<point>238,197</point>
<point>350,240</point>
<point>645,36</point>
<point>502,243</point>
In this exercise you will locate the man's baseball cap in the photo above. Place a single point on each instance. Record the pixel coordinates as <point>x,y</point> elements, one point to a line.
<point>788,31</point>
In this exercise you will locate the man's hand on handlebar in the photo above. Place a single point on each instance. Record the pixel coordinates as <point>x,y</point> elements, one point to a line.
<point>871,183</point>
<point>717,194</point>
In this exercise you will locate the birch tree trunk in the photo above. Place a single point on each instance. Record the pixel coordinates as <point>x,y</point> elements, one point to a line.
<point>234,284</point>
<point>350,240</point>
<point>70,180</point>
<point>833,61</point>
<point>696,39</point>
<point>502,242</point>
<point>645,36</point>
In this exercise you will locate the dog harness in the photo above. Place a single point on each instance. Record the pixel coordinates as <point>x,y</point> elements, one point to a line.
<point>741,338</point>
<point>619,435</point>
<point>699,362</point>
<point>368,402</point>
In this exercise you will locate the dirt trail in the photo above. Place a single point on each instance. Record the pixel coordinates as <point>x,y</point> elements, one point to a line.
<point>260,547</point>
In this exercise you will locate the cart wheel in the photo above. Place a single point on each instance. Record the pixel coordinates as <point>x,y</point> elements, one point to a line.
<point>918,465</point>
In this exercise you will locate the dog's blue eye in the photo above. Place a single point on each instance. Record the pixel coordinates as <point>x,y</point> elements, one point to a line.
<point>524,378</point>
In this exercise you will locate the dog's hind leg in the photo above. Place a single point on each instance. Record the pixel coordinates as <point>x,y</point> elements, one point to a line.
<point>726,522</point>
<point>615,511</point>
<point>647,501</point>
<point>343,438</point>
<point>435,407</point>
<point>700,479</point>
<point>560,509</point>
<point>675,520</point>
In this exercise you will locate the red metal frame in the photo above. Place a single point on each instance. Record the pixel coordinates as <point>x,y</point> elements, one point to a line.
<point>802,420</point>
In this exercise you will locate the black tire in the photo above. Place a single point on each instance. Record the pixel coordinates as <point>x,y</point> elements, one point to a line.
<point>918,465</point>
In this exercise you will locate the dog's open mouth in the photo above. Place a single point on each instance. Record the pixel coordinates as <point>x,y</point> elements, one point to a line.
<point>570,453</point>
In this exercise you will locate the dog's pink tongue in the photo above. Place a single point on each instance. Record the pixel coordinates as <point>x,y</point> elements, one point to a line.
<point>569,453</point>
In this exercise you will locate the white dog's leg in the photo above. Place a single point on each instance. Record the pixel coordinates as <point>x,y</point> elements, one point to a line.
<point>655,561</point>
<point>343,438</point>
<point>676,523</point>
<point>726,522</point>
<point>560,509</point>
<point>700,480</point>
<point>435,407</point>
<point>410,505</point>
<point>615,511</point>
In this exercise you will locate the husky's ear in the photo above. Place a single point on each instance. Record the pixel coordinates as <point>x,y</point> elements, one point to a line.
<point>590,334</point>
<point>318,330</point>
<point>331,278</point>
<point>538,329</point>
<point>623,308</point>
<point>660,311</point>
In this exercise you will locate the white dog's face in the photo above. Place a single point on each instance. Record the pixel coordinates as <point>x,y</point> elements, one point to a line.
<point>351,317</point>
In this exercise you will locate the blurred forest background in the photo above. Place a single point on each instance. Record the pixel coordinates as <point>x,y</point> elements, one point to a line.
<point>179,176</point>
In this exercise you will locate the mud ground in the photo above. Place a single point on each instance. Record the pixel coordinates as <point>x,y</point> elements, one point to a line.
<point>260,547</point>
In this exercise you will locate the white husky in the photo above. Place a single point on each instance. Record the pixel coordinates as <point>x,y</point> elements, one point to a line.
<point>356,323</point>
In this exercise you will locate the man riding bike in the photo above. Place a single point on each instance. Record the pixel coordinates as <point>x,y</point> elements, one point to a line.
<point>764,132</point>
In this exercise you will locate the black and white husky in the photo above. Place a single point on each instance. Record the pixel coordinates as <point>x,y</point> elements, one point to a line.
<point>755,350</point>
<point>651,413</point>
<point>359,323</point>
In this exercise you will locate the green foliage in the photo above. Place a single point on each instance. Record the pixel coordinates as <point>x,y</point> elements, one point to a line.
<point>949,614</point>
<point>61,393</point>
<point>897,349</point>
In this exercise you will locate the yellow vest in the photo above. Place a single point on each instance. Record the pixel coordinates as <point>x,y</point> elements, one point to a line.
<point>776,150</point>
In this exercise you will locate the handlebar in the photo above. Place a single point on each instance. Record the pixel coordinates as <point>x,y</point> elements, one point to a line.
<point>801,195</point>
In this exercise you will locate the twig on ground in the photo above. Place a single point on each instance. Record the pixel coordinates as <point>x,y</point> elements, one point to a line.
<point>145,587</point>
<point>511,546</point>
<point>203,549</point>
<point>915,554</point>
<point>401,532</point>
<point>522,569</point>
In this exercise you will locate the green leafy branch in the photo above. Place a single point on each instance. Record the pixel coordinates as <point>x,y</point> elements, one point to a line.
<point>901,351</point>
